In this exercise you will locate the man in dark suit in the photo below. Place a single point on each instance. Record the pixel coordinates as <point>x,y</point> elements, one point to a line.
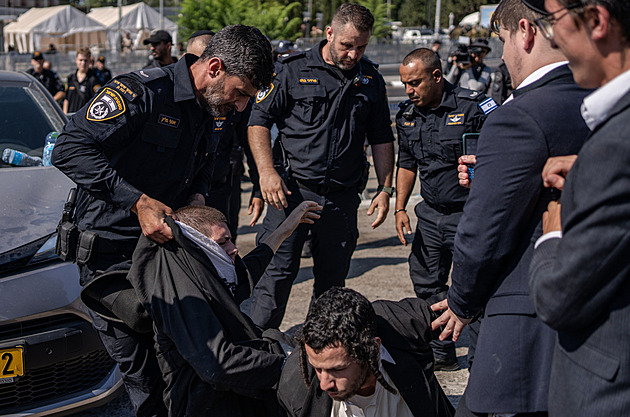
<point>494,240</point>
<point>354,356</point>
<point>580,274</point>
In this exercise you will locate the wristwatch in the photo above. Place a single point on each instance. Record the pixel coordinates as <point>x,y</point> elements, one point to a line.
<point>386,189</point>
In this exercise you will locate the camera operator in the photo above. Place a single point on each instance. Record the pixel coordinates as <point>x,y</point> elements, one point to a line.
<point>467,68</point>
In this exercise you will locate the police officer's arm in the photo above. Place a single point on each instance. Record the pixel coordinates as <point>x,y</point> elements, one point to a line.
<point>381,139</point>
<point>383,154</point>
<point>269,106</point>
<point>82,152</point>
<point>405,180</point>
<point>273,189</point>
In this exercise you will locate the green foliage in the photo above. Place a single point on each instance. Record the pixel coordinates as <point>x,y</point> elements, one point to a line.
<point>273,18</point>
<point>379,10</point>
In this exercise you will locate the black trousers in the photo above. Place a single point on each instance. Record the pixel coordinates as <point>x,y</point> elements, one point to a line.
<point>334,238</point>
<point>134,352</point>
<point>431,259</point>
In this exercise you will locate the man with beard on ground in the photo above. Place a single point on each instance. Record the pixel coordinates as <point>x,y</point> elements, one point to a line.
<point>141,149</point>
<point>361,359</point>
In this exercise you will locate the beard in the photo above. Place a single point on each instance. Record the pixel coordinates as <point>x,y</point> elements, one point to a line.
<point>212,102</point>
<point>346,64</point>
<point>352,389</point>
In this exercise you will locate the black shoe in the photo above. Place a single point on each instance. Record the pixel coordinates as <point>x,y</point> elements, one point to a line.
<point>446,365</point>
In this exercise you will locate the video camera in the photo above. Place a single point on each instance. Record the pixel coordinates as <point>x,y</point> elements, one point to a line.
<point>461,54</point>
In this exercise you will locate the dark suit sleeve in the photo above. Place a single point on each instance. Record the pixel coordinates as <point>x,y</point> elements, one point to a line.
<point>574,280</point>
<point>507,184</point>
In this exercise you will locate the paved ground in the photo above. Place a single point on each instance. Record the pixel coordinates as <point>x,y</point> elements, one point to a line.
<point>379,270</point>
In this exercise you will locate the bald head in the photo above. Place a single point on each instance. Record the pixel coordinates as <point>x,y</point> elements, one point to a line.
<point>429,59</point>
<point>198,44</point>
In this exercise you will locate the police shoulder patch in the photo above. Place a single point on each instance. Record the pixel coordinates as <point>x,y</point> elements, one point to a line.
<point>263,93</point>
<point>107,105</point>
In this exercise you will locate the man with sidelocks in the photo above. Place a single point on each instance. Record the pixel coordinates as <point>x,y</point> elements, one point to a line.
<point>358,358</point>
<point>326,102</point>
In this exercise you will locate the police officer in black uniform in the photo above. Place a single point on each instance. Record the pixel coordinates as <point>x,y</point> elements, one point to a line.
<point>325,102</point>
<point>140,150</point>
<point>46,77</point>
<point>430,127</point>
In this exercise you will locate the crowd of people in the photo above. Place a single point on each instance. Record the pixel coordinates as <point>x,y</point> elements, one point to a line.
<point>543,285</point>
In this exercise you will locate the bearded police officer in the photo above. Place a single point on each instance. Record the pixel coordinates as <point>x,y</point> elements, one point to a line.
<point>141,149</point>
<point>430,128</point>
<point>326,102</point>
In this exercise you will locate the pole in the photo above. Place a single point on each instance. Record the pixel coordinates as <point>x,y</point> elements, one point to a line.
<point>161,14</point>
<point>120,37</point>
<point>438,7</point>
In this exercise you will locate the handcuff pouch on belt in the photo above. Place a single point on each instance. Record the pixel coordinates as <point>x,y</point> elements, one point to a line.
<point>73,244</point>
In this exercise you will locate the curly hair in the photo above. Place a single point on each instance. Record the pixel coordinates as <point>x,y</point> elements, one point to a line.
<point>342,317</point>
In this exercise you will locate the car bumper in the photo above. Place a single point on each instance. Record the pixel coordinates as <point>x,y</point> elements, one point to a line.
<point>66,368</point>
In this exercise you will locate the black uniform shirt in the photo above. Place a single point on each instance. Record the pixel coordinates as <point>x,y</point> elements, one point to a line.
<point>103,75</point>
<point>47,78</point>
<point>79,93</point>
<point>144,132</point>
<point>431,140</point>
<point>324,117</point>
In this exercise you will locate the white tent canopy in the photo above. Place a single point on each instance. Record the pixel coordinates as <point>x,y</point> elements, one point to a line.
<point>138,20</point>
<point>471,19</point>
<point>64,26</point>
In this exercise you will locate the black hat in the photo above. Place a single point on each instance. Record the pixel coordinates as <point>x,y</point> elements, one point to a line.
<point>480,43</point>
<point>536,5</point>
<point>201,33</point>
<point>158,36</point>
<point>101,59</point>
<point>110,295</point>
<point>37,56</point>
<point>284,47</point>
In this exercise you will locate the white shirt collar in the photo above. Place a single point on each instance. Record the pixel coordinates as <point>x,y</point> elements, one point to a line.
<point>537,75</point>
<point>597,105</point>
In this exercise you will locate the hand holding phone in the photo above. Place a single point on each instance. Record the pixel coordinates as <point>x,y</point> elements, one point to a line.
<point>469,147</point>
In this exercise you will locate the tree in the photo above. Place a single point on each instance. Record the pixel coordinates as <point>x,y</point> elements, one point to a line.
<point>274,19</point>
<point>379,10</point>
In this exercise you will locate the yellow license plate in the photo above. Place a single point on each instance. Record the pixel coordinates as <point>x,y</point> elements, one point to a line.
<point>11,362</point>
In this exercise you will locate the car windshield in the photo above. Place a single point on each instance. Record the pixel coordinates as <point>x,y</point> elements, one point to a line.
<point>26,117</point>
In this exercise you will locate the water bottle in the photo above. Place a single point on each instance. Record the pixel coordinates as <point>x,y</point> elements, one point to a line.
<point>20,159</point>
<point>50,141</point>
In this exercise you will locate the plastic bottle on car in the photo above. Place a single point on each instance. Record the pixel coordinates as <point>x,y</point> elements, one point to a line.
<point>51,138</point>
<point>20,159</point>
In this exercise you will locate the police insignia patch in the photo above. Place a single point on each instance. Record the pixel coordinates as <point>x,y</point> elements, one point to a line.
<point>264,93</point>
<point>107,105</point>
<point>488,105</point>
<point>455,119</point>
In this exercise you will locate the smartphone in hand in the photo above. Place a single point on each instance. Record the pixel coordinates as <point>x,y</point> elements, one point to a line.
<point>469,147</point>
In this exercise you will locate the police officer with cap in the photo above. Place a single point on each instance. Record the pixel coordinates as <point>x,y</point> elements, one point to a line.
<point>326,102</point>
<point>102,72</point>
<point>46,77</point>
<point>284,47</point>
<point>140,149</point>
<point>430,128</point>
<point>161,43</point>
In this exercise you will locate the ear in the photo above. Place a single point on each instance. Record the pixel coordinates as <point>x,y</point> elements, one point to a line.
<point>527,32</point>
<point>214,66</point>
<point>597,21</point>
<point>378,341</point>
<point>329,33</point>
<point>437,75</point>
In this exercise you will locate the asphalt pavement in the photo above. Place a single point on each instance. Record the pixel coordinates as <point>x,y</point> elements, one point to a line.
<point>379,270</point>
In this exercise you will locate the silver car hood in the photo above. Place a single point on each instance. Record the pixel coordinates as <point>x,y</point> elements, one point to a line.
<point>31,201</point>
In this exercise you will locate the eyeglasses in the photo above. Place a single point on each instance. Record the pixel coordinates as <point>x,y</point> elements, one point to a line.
<point>546,23</point>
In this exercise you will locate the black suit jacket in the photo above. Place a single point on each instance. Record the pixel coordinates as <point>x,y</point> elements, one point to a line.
<point>213,358</point>
<point>495,241</point>
<point>581,283</point>
<point>404,328</point>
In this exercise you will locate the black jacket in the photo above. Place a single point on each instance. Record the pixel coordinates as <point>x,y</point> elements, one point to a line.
<point>213,358</point>
<point>405,330</point>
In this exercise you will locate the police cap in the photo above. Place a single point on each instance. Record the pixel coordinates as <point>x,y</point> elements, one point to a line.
<point>37,56</point>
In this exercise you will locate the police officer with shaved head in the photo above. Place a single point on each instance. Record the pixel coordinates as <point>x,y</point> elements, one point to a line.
<point>141,149</point>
